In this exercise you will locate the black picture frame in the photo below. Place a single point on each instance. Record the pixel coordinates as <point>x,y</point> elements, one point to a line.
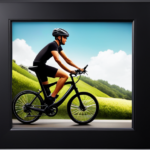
<point>32,10</point>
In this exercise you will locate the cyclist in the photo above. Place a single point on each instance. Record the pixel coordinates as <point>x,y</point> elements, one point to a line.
<point>53,49</point>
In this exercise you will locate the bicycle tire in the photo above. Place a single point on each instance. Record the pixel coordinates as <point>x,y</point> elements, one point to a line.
<point>90,112</point>
<point>20,104</point>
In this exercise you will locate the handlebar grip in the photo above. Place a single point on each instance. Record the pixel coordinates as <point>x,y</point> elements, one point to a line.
<point>85,67</point>
<point>77,71</point>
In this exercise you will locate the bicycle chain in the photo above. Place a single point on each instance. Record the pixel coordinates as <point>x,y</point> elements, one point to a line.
<point>43,114</point>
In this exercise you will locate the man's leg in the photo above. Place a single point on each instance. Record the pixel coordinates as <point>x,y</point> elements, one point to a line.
<point>46,88</point>
<point>45,82</point>
<point>63,78</point>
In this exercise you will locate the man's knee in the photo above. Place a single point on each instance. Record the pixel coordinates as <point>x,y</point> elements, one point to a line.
<point>61,74</point>
<point>66,76</point>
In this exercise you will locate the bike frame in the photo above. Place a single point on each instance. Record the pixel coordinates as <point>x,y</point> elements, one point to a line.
<point>73,87</point>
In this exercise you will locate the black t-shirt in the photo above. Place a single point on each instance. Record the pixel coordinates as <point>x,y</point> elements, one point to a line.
<point>46,54</point>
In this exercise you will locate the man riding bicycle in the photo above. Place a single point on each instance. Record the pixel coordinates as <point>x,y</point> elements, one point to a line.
<point>53,49</point>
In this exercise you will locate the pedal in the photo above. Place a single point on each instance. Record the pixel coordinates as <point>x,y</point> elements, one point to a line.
<point>55,96</point>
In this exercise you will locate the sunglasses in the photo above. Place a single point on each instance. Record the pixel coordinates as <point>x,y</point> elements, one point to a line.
<point>65,37</point>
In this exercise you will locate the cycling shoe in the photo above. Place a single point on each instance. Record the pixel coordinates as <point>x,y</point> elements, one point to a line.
<point>50,100</point>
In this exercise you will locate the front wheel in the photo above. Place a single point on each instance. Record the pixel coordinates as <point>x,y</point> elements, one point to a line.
<point>83,116</point>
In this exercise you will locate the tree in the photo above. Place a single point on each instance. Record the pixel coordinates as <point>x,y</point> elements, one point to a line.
<point>23,67</point>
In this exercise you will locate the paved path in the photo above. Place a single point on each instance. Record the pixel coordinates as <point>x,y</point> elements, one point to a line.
<point>67,123</point>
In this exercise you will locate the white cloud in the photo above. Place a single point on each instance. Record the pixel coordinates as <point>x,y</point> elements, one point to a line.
<point>22,52</point>
<point>116,68</point>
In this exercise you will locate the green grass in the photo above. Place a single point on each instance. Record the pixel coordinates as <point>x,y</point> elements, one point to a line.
<point>114,108</point>
<point>86,87</point>
<point>21,82</point>
<point>24,72</point>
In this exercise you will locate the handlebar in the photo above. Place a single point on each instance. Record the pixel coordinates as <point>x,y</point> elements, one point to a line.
<point>79,72</point>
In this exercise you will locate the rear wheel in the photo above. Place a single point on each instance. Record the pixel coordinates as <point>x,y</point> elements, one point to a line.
<point>83,116</point>
<point>23,113</point>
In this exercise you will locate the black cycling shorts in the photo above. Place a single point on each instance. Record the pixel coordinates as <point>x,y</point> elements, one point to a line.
<point>45,71</point>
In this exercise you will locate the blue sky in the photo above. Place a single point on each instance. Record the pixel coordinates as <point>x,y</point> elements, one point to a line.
<point>86,39</point>
<point>91,37</point>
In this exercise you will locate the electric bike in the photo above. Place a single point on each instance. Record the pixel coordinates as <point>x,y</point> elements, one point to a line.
<point>28,106</point>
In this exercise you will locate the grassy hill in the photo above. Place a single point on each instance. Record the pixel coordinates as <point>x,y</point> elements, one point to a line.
<point>22,71</point>
<point>114,108</point>
<point>111,90</point>
<point>21,82</point>
<point>109,108</point>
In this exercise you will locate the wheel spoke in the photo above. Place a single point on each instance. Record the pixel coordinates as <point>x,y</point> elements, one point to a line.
<point>74,106</point>
<point>18,110</point>
<point>26,99</point>
<point>90,112</point>
<point>23,102</point>
<point>91,105</point>
<point>19,103</point>
<point>74,112</point>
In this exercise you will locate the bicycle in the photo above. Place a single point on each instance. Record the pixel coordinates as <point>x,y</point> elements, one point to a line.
<point>28,105</point>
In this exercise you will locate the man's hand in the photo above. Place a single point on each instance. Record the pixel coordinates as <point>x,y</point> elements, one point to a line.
<point>81,69</point>
<point>73,72</point>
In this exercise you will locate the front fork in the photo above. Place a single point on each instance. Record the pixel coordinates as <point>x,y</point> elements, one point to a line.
<point>82,107</point>
<point>77,92</point>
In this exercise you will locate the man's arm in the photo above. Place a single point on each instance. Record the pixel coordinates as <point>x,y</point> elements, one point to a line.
<point>63,55</point>
<point>56,57</point>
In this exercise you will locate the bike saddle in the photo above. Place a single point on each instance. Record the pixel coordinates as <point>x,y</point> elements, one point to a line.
<point>33,68</point>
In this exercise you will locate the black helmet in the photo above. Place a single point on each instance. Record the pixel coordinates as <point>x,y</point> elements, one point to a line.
<point>60,32</point>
